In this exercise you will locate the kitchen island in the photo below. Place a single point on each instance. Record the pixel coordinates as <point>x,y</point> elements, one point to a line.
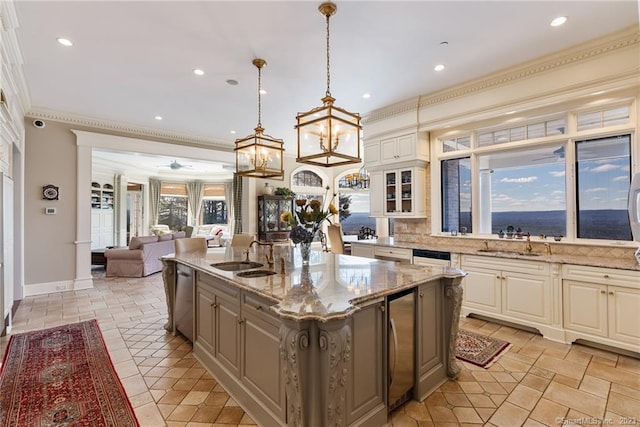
<point>307,345</point>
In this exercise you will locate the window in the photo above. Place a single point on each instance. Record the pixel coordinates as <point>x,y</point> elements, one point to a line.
<point>173,205</point>
<point>214,206</point>
<point>603,180</point>
<point>524,189</point>
<point>456,194</point>
<point>306,178</point>
<point>524,178</point>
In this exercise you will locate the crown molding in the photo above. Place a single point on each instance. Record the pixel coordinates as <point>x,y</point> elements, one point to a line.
<point>129,129</point>
<point>586,51</point>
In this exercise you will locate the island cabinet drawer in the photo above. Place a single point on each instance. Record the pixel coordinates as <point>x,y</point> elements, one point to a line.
<point>393,254</point>
<point>218,285</point>
<point>605,276</point>
<point>260,308</point>
<point>505,264</point>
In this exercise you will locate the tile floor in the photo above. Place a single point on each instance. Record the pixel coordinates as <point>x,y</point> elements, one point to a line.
<point>536,383</point>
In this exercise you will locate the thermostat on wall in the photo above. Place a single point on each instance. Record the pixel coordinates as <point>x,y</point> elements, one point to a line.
<point>50,211</point>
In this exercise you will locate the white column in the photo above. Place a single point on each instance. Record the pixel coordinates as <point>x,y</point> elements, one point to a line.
<point>485,201</point>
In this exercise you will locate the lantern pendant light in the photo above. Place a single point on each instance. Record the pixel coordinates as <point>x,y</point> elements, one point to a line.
<point>328,135</point>
<point>259,155</point>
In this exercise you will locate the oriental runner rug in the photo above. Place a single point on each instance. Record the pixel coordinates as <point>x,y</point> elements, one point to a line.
<point>478,349</point>
<point>62,376</point>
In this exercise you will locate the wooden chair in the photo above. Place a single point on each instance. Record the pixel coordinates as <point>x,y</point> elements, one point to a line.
<point>191,245</point>
<point>367,233</point>
<point>241,240</point>
<point>334,231</point>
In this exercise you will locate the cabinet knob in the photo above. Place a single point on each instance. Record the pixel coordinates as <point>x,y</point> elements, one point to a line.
<point>611,293</point>
<point>421,295</point>
<point>240,321</point>
<point>606,276</point>
<point>259,307</point>
<point>214,305</point>
<point>382,308</point>
<point>602,292</point>
<point>498,277</point>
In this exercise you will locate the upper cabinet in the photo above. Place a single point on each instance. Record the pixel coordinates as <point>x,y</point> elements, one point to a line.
<point>409,149</point>
<point>101,196</point>
<point>398,175</point>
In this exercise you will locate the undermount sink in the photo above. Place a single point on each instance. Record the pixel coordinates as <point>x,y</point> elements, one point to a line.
<point>236,265</point>
<point>507,253</point>
<point>256,273</point>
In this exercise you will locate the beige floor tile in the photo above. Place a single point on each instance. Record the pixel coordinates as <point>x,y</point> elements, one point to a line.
<point>183,413</point>
<point>441,414</point>
<point>535,382</point>
<point>206,414</point>
<point>230,415</point>
<point>609,373</point>
<point>480,401</point>
<point>595,386</point>
<point>627,391</point>
<point>470,387</point>
<point>457,399</point>
<point>524,397</point>
<point>559,366</point>
<point>624,405</point>
<point>485,413</point>
<point>149,416</point>
<point>509,415</point>
<point>576,399</point>
<point>467,415</point>
<point>417,411</point>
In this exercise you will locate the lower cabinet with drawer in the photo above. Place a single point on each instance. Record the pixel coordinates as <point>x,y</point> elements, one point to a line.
<point>237,339</point>
<point>602,305</point>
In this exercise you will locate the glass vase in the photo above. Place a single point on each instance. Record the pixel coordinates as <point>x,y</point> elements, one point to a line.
<point>305,251</point>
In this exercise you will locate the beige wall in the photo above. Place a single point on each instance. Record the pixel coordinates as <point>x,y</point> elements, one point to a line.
<point>50,158</point>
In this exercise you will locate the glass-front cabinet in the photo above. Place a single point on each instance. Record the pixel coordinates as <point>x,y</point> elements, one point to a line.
<point>404,192</point>
<point>270,208</point>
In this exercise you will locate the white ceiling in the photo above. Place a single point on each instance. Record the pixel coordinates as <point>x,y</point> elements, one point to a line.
<point>133,60</point>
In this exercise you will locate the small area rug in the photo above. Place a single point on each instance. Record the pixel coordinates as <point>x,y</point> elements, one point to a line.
<point>62,376</point>
<point>478,349</point>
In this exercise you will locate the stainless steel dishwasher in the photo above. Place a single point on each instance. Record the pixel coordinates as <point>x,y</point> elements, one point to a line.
<point>183,306</point>
<point>401,347</point>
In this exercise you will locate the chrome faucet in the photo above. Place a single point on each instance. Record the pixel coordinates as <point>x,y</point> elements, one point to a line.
<point>269,255</point>
<point>486,246</point>
<point>548,246</point>
<point>528,247</point>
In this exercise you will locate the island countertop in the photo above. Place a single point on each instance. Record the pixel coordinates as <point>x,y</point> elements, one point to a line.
<point>340,283</point>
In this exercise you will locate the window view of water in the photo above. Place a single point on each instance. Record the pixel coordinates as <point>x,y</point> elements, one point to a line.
<point>356,220</point>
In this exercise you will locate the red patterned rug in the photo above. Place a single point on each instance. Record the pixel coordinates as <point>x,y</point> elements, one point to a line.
<point>62,376</point>
<point>478,349</point>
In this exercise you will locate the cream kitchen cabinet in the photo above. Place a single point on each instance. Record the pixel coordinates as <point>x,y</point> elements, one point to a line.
<point>515,290</point>
<point>412,147</point>
<point>602,305</point>
<point>399,193</point>
<point>363,250</point>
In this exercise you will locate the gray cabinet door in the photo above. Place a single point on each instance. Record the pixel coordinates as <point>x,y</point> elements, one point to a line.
<point>227,332</point>
<point>430,345</point>
<point>367,385</point>
<point>205,309</point>
<point>261,367</point>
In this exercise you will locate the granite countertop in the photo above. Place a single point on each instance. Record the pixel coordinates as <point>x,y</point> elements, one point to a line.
<point>332,286</point>
<point>623,263</point>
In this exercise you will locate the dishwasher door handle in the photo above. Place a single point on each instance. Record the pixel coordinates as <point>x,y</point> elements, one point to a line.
<point>183,273</point>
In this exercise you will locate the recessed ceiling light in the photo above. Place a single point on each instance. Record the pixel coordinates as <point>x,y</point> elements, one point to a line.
<point>444,43</point>
<point>439,67</point>
<point>558,21</point>
<point>263,92</point>
<point>198,72</point>
<point>158,117</point>
<point>233,132</point>
<point>64,42</point>
<point>510,112</point>
<point>366,95</point>
<point>232,82</point>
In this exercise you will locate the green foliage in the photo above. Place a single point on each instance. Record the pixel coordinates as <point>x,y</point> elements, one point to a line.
<point>284,191</point>
<point>344,202</point>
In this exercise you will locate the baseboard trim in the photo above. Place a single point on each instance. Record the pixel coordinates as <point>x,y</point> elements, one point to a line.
<point>60,286</point>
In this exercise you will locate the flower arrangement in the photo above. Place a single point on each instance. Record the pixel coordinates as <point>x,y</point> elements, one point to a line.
<point>307,219</point>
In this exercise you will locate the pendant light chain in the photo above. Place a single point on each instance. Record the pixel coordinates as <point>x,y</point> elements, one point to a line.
<point>259,97</point>
<point>328,61</point>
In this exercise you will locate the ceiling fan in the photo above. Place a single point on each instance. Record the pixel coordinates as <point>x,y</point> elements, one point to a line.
<point>175,165</point>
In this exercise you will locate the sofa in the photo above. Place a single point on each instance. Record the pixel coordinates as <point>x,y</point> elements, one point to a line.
<point>211,232</point>
<point>142,257</point>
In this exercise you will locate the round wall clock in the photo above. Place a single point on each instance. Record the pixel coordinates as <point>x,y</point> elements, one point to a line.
<point>50,192</point>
